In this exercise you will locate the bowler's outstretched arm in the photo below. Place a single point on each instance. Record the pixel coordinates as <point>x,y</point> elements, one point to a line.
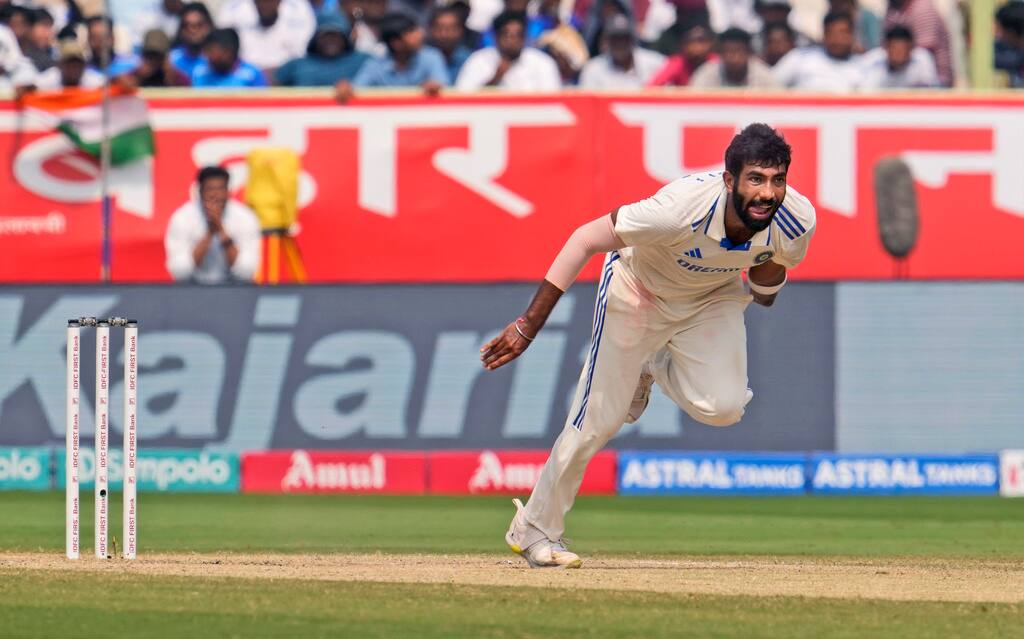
<point>593,237</point>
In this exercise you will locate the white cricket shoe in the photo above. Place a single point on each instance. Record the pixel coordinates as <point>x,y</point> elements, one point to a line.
<point>532,545</point>
<point>642,395</point>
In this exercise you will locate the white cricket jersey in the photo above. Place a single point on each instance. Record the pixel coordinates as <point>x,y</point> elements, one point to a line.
<point>676,243</point>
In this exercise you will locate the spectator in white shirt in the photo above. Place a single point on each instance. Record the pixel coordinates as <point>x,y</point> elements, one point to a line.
<point>272,31</point>
<point>830,68</point>
<point>16,71</point>
<point>509,64</point>
<point>71,70</point>
<point>898,64</point>
<point>736,65</point>
<point>623,65</point>
<point>213,239</point>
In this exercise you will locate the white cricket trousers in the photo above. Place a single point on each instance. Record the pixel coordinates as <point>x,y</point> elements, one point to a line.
<point>698,353</point>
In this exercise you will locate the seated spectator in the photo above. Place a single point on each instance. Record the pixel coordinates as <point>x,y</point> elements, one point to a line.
<point>510,64</point>
<point>33,29</point>
<point>545,19</point>
<point>100,37</point>
<point>777,40</point>
<point>213,239</point>
<point>330,57</point>
<point>867,26</point>
<point>929,32</point>
<point>16,71</point>
<point>830,68</point>
<point>624,65</point>
<point>1009,45</point>
<point>42,37</point>
<point>156,69</point>
<point>566,47</point>
<point>470,39</point>
<point>899,64</point>
<point>195,26</point>
<point>62,12</point>
<point>736,65</point>
<point>779,12</point>
<point>695,49</point>
<point>272,31</point>
<point>19,19</point>
<point>447,35</point>
<point>71,70</point>
<point>221,66</point>
<point>409,63</point>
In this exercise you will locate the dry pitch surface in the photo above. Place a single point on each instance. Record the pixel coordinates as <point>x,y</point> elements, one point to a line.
<point>896,579</point>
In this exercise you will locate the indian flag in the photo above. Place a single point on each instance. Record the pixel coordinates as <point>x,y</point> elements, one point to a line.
<point>78,114</point>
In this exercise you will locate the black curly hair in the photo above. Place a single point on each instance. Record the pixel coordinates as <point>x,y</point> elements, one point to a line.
<point>758,144</point>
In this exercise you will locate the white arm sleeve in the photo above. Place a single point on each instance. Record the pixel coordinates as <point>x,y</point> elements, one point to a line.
<point>593,237</point>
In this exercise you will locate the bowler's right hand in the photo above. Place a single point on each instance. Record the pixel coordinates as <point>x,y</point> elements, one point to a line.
<point>506,347</point>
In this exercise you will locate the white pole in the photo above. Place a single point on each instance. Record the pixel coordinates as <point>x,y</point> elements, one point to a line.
<point>131,431</point>
<point>106,212</point>
<point>102,434</point>
<point>71,441</point>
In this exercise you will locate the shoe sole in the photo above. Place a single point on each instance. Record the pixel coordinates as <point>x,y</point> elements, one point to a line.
<point>519,551</point>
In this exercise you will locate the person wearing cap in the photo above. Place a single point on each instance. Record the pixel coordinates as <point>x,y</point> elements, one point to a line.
<point>448,35</point>
<point>566,47</point>
<point>330,57</point>
<point>272,32</point>
<point>624,65</point>
<point>735,67</point>
<point>510,64</point>
<point>696,48</point>
<point>71,70</point>
<point>156,69</point>
<point>193,29</point>
<point>221,67</point>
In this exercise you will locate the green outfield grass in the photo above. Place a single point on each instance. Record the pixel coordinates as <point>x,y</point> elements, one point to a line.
<point>40,603</point>
<point>56,605</point>
<point>936,527</point>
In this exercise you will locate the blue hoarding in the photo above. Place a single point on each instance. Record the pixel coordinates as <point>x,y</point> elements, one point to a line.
<point>904,474</point>
<point>164,470</point>
<point>25,468</point>
<point>678,473</point>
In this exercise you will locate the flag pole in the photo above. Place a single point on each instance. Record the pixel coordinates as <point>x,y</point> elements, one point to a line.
<point>105,203</point>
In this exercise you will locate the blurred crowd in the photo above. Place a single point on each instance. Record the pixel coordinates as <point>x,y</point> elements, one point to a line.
<point>518,45</point>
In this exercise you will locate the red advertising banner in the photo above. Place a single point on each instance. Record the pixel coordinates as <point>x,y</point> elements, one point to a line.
<point>509,472</point>
<point>487,188</point>
<point>302,471</point>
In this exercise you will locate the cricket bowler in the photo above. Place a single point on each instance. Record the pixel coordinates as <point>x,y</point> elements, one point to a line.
<point>669,310</point>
